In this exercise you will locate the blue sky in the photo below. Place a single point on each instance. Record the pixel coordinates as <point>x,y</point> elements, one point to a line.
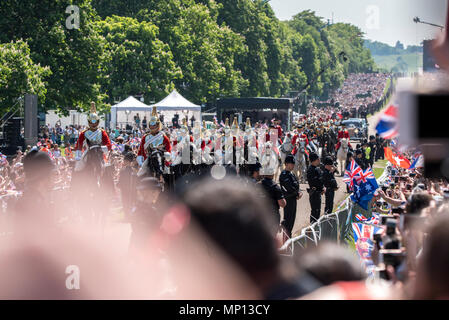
<point>382,20</point>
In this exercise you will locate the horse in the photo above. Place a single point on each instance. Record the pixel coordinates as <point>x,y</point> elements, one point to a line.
<point>286,148</point>
<point>250,156</point>
<point>86,184</point>
<point>300,160</point>
<point>269,160</point>
<point>342,154</point>
<point>156,163</point>
<point>315,147</point>
<point>183,159</point>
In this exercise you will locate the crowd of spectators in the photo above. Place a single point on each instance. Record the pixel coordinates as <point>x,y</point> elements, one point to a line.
<point>361,94</point>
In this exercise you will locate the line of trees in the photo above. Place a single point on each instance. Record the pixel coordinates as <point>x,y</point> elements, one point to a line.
<point>206,49</point>
<point>383,49</point>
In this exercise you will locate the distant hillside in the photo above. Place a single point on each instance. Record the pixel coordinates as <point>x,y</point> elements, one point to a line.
<point>399,62</point>
<point>397,58</point>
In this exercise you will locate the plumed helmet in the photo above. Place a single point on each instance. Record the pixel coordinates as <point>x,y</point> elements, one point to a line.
<point>235,124</point>
<point>248,127</point>
<point>197,128</point>
<point>214,125</point>
<point>93,119</point>
<point>154,124</point>
<point>184,126</point>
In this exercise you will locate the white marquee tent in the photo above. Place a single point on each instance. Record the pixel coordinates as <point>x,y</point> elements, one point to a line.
<point>176,103</point>
<point>130,104</point>
<point>171,104</point>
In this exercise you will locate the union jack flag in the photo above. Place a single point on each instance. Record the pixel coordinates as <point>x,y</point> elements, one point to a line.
<point>374,219</point>
<point>351,173</point>
<point>364,175</point>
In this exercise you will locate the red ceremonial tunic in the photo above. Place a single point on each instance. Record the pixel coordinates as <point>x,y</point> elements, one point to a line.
<point>104,140</point>
<point>143,152</point>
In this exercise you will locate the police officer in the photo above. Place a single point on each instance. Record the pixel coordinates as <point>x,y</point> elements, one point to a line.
<point>373,150</point>
<point>330,184</point>
<point>316,186</point>
<point>254,172</point>
<point>360,159</point>
<point>274,194</point>
<point>290,185</point>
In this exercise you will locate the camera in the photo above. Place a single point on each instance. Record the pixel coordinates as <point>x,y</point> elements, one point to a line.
<point>418,125</point>
<point>383,219</point>
<point>391,240</point>
<point>397,210</point>
<point>391,226</point>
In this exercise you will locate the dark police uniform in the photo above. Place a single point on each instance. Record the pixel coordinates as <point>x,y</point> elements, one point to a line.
<point>315,180</point>
<point>289,183</point>
<point>274,193</point>
<point>331,184</point>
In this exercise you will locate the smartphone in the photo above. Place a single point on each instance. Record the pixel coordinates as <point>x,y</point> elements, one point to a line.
<point>377,239</point>
<point>392,257</point>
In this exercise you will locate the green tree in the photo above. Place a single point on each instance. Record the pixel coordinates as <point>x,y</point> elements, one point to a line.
<point>204,50</point>
<point>19,74</point>
<point>139,62</point>
<point>74,56</point>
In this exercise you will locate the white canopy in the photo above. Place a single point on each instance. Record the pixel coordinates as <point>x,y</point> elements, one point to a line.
<point>176,102</point>
<point>131,104</point>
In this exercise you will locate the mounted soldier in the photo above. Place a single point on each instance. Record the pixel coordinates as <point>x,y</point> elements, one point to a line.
<point>154,148</point>
<point>93,141</point>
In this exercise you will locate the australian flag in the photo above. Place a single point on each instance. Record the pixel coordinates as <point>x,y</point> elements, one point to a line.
<point>365,185</point>
<point>351,172</point>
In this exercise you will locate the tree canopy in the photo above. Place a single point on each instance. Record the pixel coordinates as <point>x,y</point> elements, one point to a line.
<point>206,49</point>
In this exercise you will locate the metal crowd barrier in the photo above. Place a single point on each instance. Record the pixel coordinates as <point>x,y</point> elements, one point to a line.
<point>330,227</point>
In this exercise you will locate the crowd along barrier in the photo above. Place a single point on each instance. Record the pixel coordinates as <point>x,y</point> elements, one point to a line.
<point>333,227</point>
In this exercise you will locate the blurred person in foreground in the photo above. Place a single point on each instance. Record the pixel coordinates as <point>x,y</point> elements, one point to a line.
<point>333,272</point>
<point>147,213</point>
<point>34,212</point>
<point>432,280</point>
<point>241,225</point>
<point>126,183</point>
